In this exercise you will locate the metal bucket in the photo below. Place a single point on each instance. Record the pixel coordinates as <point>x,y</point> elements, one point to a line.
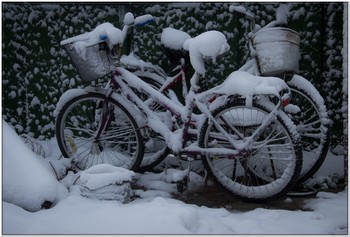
<point>277,50</point>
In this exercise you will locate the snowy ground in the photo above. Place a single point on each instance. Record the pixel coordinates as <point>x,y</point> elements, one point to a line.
<point>28,180</point>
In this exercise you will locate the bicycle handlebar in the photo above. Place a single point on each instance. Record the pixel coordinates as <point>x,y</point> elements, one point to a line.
<point>106,32</point>
<point>240,11</point>
<point>130,21</point>
<point>143,20</point>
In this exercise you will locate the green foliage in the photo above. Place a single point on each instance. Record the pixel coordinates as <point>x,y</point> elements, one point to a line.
<point>36,69</point>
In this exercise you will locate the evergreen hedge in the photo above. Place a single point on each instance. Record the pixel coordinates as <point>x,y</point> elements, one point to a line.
<point>36,70</point>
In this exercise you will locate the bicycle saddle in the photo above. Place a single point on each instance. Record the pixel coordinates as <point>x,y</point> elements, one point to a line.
<point>172,45</point>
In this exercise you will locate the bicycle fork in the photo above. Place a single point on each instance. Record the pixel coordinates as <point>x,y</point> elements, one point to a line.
<point>107,116</point>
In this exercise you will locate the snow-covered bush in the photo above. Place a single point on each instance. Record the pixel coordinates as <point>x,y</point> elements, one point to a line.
<point>36,70</point>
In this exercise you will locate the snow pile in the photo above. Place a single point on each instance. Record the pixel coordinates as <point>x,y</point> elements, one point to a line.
<point>27,181</point>
<point>103,175</point>
<point>153,211</point>
<point>208,45</point>
<point>106,182</point>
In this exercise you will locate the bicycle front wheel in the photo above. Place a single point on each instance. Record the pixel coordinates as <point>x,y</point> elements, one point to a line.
<point>120,143</point>
<point>264,171</point>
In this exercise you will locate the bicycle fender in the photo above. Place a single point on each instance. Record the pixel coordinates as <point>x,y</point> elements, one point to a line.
<point>137,115</point>
<point>139,118</point>
<point>67,96</point>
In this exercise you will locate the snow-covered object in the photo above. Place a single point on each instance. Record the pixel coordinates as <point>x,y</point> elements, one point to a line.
<point>277,50</point>
<point>245,84</point>
<point>282,13</point>
<point>132,61</point>
<point>173,38</point>
<point>105,32</point>
<point>27,181</point>
<point>104,174</point>
<point>129,19</point>
<point>84,50</point>
<point>143,20</point>
<point>67,96</point>
<point>98,62</point>
<point>240,10</point>
<point>106,182</point>
<point>208,45</point>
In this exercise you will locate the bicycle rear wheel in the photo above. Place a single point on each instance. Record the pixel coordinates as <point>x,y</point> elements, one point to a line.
<point>312,124</point>
<point>120,143</point>
<point>268,169</point>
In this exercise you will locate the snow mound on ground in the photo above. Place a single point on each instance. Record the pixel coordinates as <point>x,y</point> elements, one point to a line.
<point>27,181</point>
<point>103,175</point>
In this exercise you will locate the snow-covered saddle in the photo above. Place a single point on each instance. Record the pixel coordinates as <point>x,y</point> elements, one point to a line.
<point>208,46</point>
<point>172,45</point>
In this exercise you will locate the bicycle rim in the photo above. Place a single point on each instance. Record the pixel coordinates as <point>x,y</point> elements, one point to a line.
<point>119,145</point>
<point>314,132</point>
<point>265,171</point>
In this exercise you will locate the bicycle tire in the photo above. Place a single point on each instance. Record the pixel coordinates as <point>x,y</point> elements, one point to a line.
<point>121,144</point>
<point>249,177</point>
<point>312,124</point>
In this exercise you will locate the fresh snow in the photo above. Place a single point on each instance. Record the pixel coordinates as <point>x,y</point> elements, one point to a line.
<point>208,45</point>
<point>104,32</point>
<point>153,211</point>
<point>245,84</point>
<point>27,179</point>
<point>174,39</point>
<point>103,175</point>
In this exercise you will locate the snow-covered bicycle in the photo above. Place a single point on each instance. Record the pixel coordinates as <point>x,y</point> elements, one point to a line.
<point>268,46</point>
<point>247,142</point>
<point>274,52</point>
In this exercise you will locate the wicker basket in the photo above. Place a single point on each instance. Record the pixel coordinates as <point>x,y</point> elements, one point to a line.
<point>277,51</point>
<point>98,61</point>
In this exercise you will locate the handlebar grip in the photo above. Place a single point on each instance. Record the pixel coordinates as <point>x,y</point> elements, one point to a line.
<point>143,20</point>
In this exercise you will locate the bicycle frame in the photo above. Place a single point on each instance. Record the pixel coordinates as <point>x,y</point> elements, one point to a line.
<point>123,81</point>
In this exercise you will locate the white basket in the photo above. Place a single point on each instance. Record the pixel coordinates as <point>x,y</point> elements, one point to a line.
<point>98,62</point>
<point>277,50</point>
